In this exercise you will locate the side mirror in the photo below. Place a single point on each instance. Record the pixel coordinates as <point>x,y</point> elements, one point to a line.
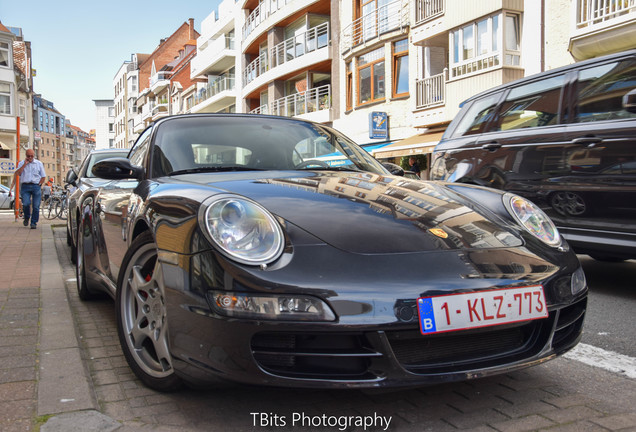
<point>629,101</point>
<point>118,168</point>
<point>394,169</point>
<point>71,177</point>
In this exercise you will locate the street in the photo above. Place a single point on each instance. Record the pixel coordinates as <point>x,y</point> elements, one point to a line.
<point>609,323</point>
<point>560,395</point>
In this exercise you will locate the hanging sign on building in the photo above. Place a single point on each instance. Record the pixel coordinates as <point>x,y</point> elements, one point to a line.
<point>378,125</point>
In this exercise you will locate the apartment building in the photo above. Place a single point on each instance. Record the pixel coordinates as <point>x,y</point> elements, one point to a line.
<point>213,67</point>
<point>50,138</point>
<point>105,123</point>
<point>120,124</point>
<point>155,71</point>
<point>16,93</point>
<point>82,143</point>
<point>388,73</point>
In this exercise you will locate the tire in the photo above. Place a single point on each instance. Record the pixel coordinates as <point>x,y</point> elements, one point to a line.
<point>83,290</point>
<point>60,209</point>
<point>48,209</point>
<point>141,316</point>
<point>607,258</point>
<point>69,239</point>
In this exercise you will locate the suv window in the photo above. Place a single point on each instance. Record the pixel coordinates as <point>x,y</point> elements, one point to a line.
<point>600,91</point>
<point>532,105</point>
<point>477,116</point>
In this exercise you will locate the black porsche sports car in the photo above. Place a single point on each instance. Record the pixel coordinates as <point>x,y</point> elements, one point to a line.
<point>270,250</point>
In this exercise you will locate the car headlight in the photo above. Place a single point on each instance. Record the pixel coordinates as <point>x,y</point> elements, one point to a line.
<point>533,219</point>
<point>243,230</point>
<point>274,307</point>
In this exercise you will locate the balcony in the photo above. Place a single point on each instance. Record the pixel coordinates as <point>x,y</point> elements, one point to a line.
<point>159,81</point>
<point>387,18</point>
<point>263,109</point>
<point>255,69</point>
<point>216,95</point>
<point>603,27</point>
<point>430,92</point>
<point>261,13</point>
<point>213,57</point>
<point>159,109</point>
<point>305,103</point>
<point>426,10</point>
<point>299,45</point>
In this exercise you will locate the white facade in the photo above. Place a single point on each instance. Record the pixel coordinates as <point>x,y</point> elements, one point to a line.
<point>120,86</point>
<point>16,99</point>
<point>104,123</point>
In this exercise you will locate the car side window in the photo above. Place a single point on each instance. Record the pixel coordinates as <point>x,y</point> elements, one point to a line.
<point>139,151</point>
<point>600,91</point>
<point>531,105</point>
<point>477,115</point>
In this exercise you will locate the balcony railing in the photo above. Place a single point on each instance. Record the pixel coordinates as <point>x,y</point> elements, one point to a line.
<point>431,91</point>
<point>428,9</point>
<point>263,109</point>
<point>255,69</point>
<point>159,108</point>
<point>299,45</point>
<point>217,86</point>
<point>591,12</point>
<point>260,14</point>
<point>386,18</point>
<point>312,100</point>
<point>159,76</point>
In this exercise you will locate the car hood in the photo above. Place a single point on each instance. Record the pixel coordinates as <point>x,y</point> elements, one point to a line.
<point>368,213</point>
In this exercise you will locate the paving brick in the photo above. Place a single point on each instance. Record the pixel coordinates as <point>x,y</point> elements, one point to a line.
<point>617,422</point>
<point>571,414</point>
<point>528,423</point>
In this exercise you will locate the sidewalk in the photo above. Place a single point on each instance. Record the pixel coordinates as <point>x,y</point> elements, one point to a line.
<point>42,374</point>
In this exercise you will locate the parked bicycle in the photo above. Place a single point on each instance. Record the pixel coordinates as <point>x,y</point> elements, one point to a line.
<point>56,205</point>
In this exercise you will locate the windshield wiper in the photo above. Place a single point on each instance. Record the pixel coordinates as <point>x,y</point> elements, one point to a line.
<point>225,168</point>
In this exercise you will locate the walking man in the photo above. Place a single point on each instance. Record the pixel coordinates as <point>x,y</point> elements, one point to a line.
<point>32,176</point>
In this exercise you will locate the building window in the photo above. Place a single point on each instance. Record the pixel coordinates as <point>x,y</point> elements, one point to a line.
<point>349,86</point>
<point>22,111</point>
<point>483,45</point>
<point>371,77</point>
<point>5,54</point>
<point>512,55</point>
<point>5,98</point>
<point>401,68</point>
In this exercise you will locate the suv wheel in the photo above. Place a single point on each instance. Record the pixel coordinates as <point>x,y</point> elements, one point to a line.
<point>568,203</point>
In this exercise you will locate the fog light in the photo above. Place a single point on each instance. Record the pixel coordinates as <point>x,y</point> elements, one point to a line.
<point>270,307</point>
<point>578,281</point>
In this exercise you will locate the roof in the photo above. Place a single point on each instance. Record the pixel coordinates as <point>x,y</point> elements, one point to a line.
<point>3,29</point>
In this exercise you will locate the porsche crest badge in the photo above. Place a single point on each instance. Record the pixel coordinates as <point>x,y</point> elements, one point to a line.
<point>438,232</point>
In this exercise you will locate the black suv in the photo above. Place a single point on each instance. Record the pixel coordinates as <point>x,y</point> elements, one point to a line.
<point>566,139</point>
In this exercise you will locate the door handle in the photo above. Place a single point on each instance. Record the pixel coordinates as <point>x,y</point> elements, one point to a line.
<point>589,141</point>
<point>491,146</point>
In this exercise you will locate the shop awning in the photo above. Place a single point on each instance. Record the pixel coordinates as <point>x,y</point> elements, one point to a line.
<point>417,144</point>
<point>5,146</point>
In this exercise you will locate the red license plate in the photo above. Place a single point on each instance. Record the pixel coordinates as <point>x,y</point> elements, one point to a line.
<point>454,312</point>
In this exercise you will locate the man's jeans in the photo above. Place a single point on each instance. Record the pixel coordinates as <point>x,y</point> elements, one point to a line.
<point>31,193</point>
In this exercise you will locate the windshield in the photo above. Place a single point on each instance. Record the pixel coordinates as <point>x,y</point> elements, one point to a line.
<point>239,143</point>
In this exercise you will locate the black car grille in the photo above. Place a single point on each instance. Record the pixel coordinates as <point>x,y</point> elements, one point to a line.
<point>352,356</point>
<point>569,326</point>
<point>325,356</point>
<point>473,349</point>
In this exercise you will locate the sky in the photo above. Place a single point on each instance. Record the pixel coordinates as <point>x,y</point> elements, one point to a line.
<point>77,46</point>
